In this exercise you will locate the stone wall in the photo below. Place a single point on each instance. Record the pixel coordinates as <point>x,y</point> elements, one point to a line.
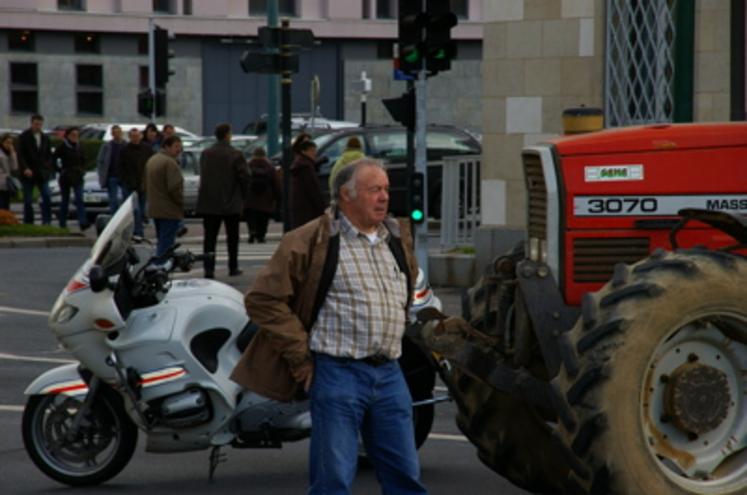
<point>712,64</point>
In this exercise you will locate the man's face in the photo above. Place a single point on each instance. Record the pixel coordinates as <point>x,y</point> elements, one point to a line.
<point>135,136</point>
<point>174,150</point>
<point>117,133</point>
<point>371,204</point>
<point>310,152</point>
<point>36,125</point>
<point>168,131</point>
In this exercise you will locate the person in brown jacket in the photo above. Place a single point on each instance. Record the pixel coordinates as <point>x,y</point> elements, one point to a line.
<point>224,177</point>
<point>331,306</point>
<point>263,195</point>
<point>306,202</point>
<point>164,186</point>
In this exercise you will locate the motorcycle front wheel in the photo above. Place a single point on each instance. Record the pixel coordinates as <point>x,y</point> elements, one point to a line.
<point>100,448</point>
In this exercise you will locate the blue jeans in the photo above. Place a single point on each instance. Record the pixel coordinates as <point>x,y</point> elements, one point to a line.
<point>112,188</point>
<point>28,201</point>
<point>139,211</point>
<point>351,397</point>
<point>166,233</point>
<point>80,207</point>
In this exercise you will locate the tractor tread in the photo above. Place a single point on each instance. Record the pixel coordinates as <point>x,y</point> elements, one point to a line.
<point>631,291</point>
<point>588,379</point>
<point>588,311</point>
<point>620,275</point>
<point>588,431</point>
<point>604,330</point>
<point>686,267</point>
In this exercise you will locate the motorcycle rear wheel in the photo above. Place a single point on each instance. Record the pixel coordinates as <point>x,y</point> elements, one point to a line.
<point>102,447</point>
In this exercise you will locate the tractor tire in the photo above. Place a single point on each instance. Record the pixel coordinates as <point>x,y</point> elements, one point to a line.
<point>659,402</point>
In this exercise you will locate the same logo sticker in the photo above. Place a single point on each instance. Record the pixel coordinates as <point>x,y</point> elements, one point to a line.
<point>613,173</point>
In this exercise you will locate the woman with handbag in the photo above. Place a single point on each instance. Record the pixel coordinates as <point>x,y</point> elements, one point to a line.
<point>8,165</point>
<point>70,163</point>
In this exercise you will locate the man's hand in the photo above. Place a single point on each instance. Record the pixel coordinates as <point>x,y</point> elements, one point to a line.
<point>304,374</point>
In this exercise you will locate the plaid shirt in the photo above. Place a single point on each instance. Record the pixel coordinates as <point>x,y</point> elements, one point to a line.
<point>365,309</point>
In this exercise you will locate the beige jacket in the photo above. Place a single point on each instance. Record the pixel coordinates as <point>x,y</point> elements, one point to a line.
<point>282,300</point>
<point>8,164</point>
<point>164,187</point>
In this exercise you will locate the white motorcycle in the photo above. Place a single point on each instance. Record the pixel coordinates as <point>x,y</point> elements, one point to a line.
<point>156,355</point>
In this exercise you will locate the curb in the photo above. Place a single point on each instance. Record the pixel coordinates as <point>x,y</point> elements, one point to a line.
<point>45,242</point>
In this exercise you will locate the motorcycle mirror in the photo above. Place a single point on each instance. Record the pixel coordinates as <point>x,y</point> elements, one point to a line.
<point>97,278</point>
<point>101,221</point>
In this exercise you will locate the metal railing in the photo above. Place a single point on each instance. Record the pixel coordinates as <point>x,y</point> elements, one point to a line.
<point>460,200</point>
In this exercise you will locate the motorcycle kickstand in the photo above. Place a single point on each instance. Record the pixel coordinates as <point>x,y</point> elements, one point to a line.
<point>215,458</point>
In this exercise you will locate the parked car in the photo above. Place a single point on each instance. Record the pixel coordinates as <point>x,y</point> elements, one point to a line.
<point>389,144</point>
<point>238,141</point>
<point>103,131</point>
<point>96,198</point>
<point>299,121</point>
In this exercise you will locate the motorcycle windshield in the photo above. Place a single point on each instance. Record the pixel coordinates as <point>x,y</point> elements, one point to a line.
<point>113,242</point>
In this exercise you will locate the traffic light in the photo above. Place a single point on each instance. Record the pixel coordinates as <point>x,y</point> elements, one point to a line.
<point>417,197</point>
<point>146,102</point>
<point>402,109</point>
<point>410,41</point>
<point>161,56</point>
<point>438,47</point>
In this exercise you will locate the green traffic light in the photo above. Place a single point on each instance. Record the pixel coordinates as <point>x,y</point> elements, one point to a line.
<point>412,56</point>
<point>417,215</point>
<point>440,54</point>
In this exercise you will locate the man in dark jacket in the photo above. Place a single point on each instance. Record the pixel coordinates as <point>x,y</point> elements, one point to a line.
<point>224,177</point>
<point>263,195</point>
<point>306,201</point>
<point>132,160</point>
<point>35,156</point>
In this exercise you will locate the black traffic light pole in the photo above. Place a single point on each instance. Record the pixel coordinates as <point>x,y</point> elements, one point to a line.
<point>285,96</point>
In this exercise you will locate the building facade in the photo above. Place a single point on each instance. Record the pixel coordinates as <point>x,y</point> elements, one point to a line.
<point>81,61</point>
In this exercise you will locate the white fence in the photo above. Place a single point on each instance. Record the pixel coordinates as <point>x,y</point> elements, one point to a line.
<point>460,201</point>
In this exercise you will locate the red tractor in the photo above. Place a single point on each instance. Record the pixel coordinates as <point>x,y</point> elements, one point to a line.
<point>608,353</point>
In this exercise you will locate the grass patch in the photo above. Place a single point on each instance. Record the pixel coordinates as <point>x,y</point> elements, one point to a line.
<point>463,250</point>
<point>32,231</point>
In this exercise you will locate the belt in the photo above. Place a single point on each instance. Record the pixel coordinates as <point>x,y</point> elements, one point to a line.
<point>375,360</point>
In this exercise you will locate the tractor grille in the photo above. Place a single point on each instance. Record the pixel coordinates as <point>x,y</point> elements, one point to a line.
<point>537,197</point>
<point>594,259</point>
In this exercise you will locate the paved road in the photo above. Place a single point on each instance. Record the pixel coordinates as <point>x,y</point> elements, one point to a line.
<point>29,283</point>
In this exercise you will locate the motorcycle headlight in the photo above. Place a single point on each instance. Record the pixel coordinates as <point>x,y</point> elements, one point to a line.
<point>65,314</point>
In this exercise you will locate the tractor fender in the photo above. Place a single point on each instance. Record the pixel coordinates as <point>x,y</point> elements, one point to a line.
<point>65,379</point>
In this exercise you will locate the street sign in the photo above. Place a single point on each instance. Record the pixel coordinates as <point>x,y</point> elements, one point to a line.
<point>268,63</point>
<point>272,37</point>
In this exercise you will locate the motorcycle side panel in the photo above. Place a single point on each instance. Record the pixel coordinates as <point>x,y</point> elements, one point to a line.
<point>61,380</point>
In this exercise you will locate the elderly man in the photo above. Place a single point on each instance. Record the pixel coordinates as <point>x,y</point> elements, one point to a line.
<point>164,186</point>
<point>331,305</point>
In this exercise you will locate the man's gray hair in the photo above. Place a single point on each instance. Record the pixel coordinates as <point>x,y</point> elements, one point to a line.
<point>348,175</point>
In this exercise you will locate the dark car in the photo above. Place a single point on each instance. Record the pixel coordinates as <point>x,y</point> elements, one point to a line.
<point>389,144</point>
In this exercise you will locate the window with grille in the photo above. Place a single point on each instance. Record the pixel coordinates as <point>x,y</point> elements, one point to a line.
<point>639,66</point>
<point>24,91</point>
<point>164,6</point>
<point>387,9</point>
<point>89,89</point>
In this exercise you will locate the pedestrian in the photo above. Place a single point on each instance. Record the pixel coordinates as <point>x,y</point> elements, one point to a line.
<point>8,165</point>
<point>353,151</point>
<point>301,138</point>
<point>134,156</point>
<point>331,306</point>
<point>263,196</point>
<point>164,187</point>
<point>168,130</point>
<point>224,177</point>
<point>305,200</point>
<point>35,161</point>
<point>71,164</point>
<point>107,166</point>
<point>152,137</point>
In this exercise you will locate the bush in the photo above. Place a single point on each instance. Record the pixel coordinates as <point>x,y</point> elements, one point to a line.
<point>8,218</point>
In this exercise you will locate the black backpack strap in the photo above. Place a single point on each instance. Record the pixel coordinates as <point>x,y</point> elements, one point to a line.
<point>328,275</point>
<point>395,245</point>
